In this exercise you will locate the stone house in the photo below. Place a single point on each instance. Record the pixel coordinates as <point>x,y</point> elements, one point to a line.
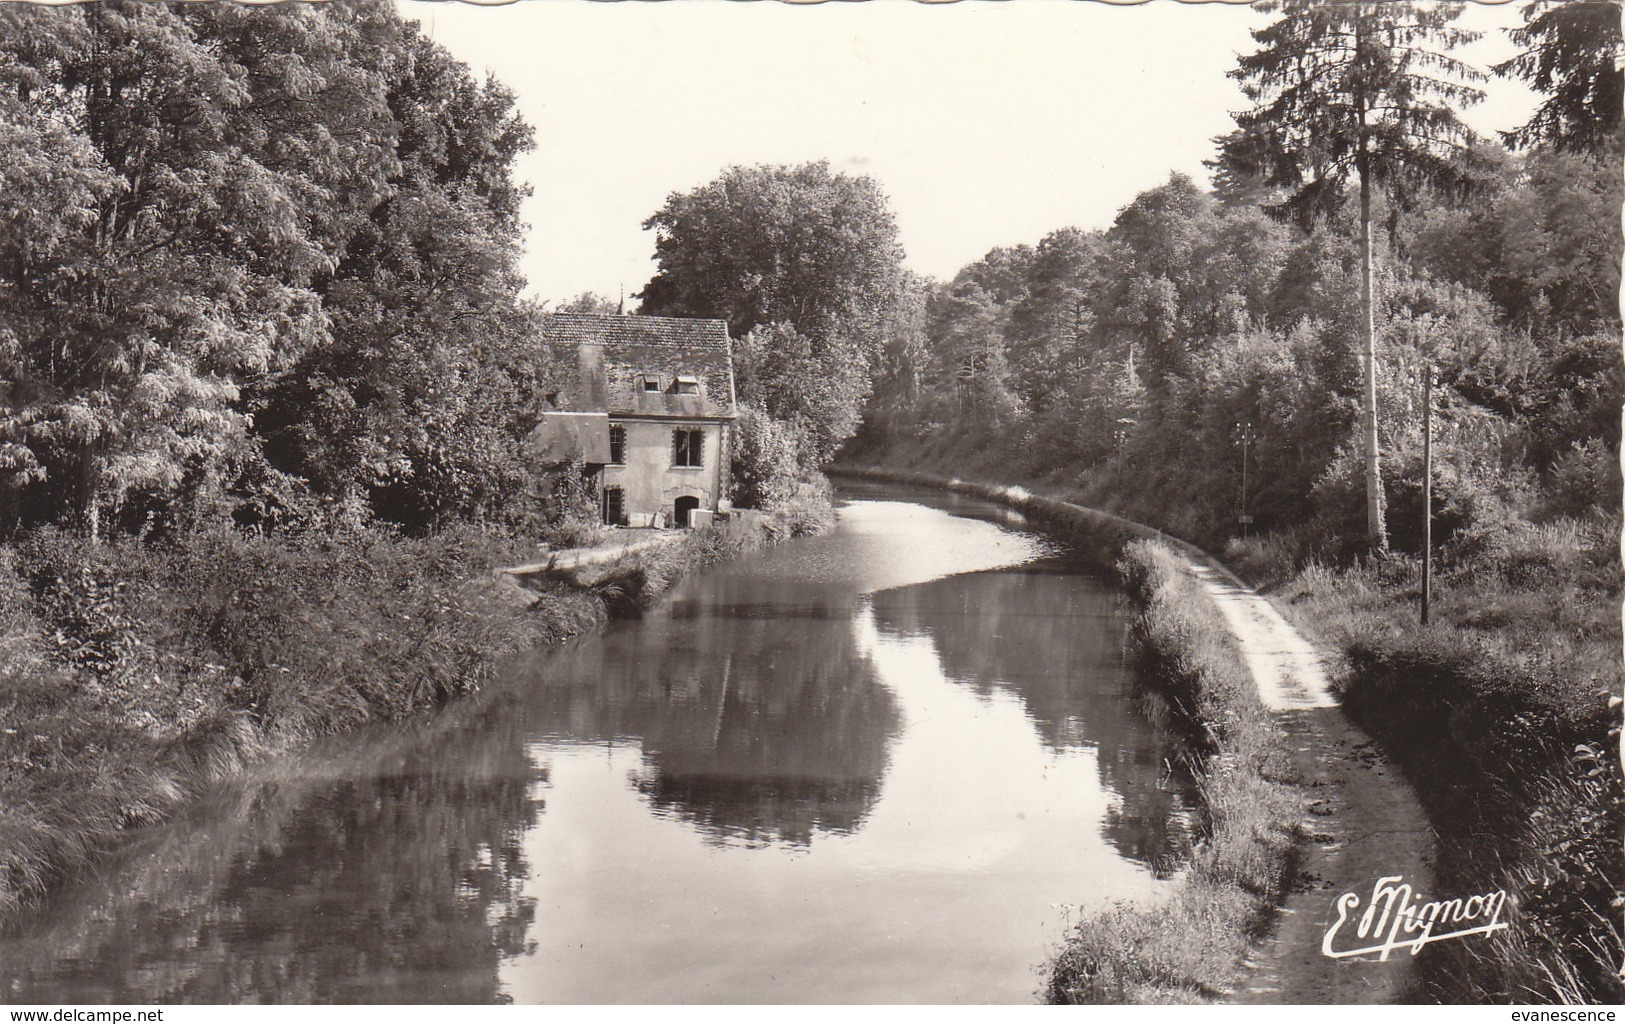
<point>648,413</point>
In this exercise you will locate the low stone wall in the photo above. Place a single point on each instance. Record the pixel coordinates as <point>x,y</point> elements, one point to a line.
<point>588,567</point>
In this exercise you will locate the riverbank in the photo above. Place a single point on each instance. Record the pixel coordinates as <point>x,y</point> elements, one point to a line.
<point>1503,717</point>
<point>135,676</point>
<point>1193,947</point>
<point>1297,804</point>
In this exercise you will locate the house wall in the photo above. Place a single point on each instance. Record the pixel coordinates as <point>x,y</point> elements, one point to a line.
<point>648,480</point>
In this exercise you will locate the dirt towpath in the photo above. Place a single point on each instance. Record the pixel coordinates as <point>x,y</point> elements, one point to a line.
<point>1361,817</point>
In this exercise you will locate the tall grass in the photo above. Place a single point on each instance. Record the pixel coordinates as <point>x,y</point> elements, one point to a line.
<point>1504,714</point>
<point>133,676</point>
<point>1191,948</point>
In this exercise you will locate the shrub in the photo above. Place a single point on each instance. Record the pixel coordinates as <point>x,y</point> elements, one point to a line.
<point>766,465</point>
<point>574,533</point>
<point>133,673</point>
<point>806,511</point>
<point>1584,478</point>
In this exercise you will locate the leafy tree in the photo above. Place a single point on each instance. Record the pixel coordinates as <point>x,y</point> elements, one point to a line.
<point>1049,321</point>
<point>798,245</point>
<point>225,225</point>
<point>967,327</point>
<point>173,246</point>
<point>782,372</point>
<point>809,251</point>
<point>1361,89</point>
<point>413,401</point>
<point>590,302</point>
<point>1004,274</point>
<point>1543,242</point>
<point>766,459</point>
<point>1152,301</point>
<point>1573,54</point>
<point>900,379</point>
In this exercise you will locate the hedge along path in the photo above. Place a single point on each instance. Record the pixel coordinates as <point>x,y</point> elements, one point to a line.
<point>1361,818</point>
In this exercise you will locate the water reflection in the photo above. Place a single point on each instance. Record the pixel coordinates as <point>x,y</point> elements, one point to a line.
<point>388,874</point>
<point>750,731</point>
<point>832,772</point>
<point>1054,637</point>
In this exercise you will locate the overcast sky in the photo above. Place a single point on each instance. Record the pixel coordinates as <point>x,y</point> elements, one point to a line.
<point>986,123</point>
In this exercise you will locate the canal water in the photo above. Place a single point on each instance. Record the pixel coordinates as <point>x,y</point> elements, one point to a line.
<point>885,765</point>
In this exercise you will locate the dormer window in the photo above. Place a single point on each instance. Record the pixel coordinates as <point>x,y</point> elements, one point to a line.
<point>687,386</point>
<point>651,382</point>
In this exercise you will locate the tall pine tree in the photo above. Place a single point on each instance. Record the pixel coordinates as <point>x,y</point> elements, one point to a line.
<point>1572,52</point>
<point>1354,89</point>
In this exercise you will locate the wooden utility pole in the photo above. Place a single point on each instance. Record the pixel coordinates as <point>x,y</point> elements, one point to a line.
<point>1427,493</point>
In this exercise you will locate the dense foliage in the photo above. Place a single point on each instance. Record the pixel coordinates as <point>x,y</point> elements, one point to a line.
<point>253,261</point>
<point>1572,52</point>
<point>259,318</point>
<point>805,266</point>
<point>1128,363</point>
<point>1200,360</point>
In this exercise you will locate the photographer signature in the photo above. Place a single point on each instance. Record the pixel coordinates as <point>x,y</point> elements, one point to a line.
<point>1396,918</point>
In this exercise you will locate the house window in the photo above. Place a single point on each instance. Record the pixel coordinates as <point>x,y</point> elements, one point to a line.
<point>651,382</point>
<point>687,445</point>
<point>617,445</point>
<point>614,506</point>
<point>687,386</point>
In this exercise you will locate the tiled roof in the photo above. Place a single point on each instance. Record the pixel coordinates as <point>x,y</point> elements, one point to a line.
<point>616,353</point>
<point>613,329</point>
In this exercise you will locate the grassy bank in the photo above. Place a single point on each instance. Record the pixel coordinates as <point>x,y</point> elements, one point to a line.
<point>1191,948</point>
<point>134,675</point>
<point>1504,714</point>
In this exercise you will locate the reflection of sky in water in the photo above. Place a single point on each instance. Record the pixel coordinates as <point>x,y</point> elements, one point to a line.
<point>871,766</point>
<point>949,891</point>
<point>878,545</point>
<point>974,820</point>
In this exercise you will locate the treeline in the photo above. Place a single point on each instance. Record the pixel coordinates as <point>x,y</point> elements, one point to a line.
<point>1134,359</point>
<point>1142,363</point>
<point>257,264</point>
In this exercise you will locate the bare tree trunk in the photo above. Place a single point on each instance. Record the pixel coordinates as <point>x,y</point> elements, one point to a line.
<point>1376,527</point>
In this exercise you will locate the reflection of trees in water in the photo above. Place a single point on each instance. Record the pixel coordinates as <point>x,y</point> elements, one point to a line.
<point>751,729</point>
<point>395,878</point>
<point>1055,641</point>
<point>1159,825</point>
<point>388,867</point>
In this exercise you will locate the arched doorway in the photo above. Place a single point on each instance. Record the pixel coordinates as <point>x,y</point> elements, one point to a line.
<point>685,505</point>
